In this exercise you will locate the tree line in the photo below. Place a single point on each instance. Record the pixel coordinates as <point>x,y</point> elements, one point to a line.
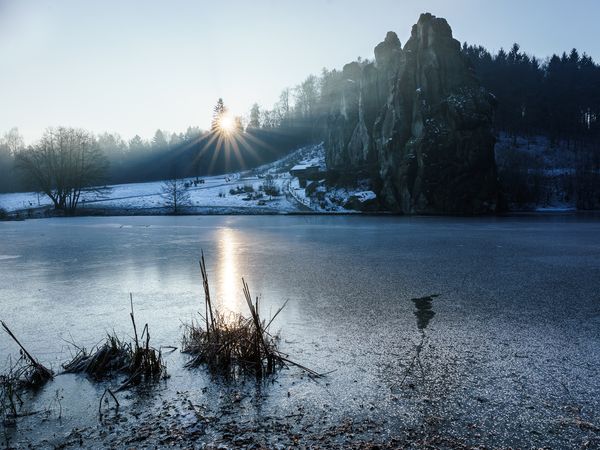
<point>121,156</point>
<point>66,162</point>
<point>548,120</point>
<point>558,97</point>
<point>270,134</point>
<point>553,105</point>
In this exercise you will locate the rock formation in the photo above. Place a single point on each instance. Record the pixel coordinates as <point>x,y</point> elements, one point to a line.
<point>362,91</point>
<point>418,122</point>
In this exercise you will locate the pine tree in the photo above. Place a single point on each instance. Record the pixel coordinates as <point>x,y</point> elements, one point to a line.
<point>218,112</point>
<point>159,142</point>
<point>137,144</point>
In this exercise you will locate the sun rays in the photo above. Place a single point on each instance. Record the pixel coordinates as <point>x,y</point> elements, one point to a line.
<point>228,146</point>
<point>226,124</point>
<point>229,139</point>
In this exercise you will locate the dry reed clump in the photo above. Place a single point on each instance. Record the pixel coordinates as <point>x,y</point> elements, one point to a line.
<point>109,358</point>
<point>234,345</point>
<point>27,372</point>
<point>10,400</point>
<point>138,360</point>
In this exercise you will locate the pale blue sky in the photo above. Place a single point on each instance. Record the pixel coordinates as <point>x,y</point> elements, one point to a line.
<point>135,66</point>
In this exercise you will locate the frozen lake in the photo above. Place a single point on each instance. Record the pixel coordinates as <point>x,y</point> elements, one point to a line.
<point>507,310</point>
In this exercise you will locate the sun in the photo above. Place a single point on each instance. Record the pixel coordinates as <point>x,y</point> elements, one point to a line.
<point>226,124</point>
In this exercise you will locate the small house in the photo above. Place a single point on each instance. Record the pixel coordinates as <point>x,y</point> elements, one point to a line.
<point>305,172</point>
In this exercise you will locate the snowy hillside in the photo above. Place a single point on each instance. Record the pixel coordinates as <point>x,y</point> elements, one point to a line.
<point>236,193</point>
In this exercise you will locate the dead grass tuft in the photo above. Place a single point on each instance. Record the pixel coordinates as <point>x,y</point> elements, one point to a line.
<point>234,345</point>
<point>138,359</point>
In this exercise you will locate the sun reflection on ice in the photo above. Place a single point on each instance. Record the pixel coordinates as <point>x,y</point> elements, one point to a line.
<point>229,281</point>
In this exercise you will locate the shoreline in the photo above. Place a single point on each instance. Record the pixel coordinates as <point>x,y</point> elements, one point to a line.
<point>48,212</point>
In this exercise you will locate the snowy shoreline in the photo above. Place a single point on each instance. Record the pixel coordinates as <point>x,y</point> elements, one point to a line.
<point>267,190</point>
<point>240,193</point>
<point>48,212</point>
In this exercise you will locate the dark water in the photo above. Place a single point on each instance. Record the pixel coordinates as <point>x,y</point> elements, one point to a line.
<point>505,313</point>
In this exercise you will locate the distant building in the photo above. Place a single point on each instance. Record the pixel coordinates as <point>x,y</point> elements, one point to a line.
<point>305,172</point>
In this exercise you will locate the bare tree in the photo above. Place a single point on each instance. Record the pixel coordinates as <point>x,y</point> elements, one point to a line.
<point>13,141</point>
<point>282,108</point>
<point>270,188</point>
<point>175,194</point>
<point>65,163</point>
<point>307,94</point>
<point>284,102</point>
<point>254,121</point>
<point>10,144</point>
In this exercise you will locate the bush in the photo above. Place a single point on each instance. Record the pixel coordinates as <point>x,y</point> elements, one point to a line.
<point>238,190</point>
<point>270,188</point>
<point>272,191</point>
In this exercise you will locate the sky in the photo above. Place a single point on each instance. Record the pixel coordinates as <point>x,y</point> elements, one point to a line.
<point>132,67</point>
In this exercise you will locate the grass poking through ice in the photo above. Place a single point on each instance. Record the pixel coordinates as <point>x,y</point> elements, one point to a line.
<point>233,344</point>
<point>137,359</point>
<point>27,372</point>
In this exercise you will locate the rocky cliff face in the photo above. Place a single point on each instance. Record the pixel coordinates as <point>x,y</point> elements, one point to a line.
<point>360,94</point>
<point>418,121</point>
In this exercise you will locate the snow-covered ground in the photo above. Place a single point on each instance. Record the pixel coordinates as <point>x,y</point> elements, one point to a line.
<point>23,200</point>
<point>212,195</point>
<point>546,172</point>
<point>235,192</point>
